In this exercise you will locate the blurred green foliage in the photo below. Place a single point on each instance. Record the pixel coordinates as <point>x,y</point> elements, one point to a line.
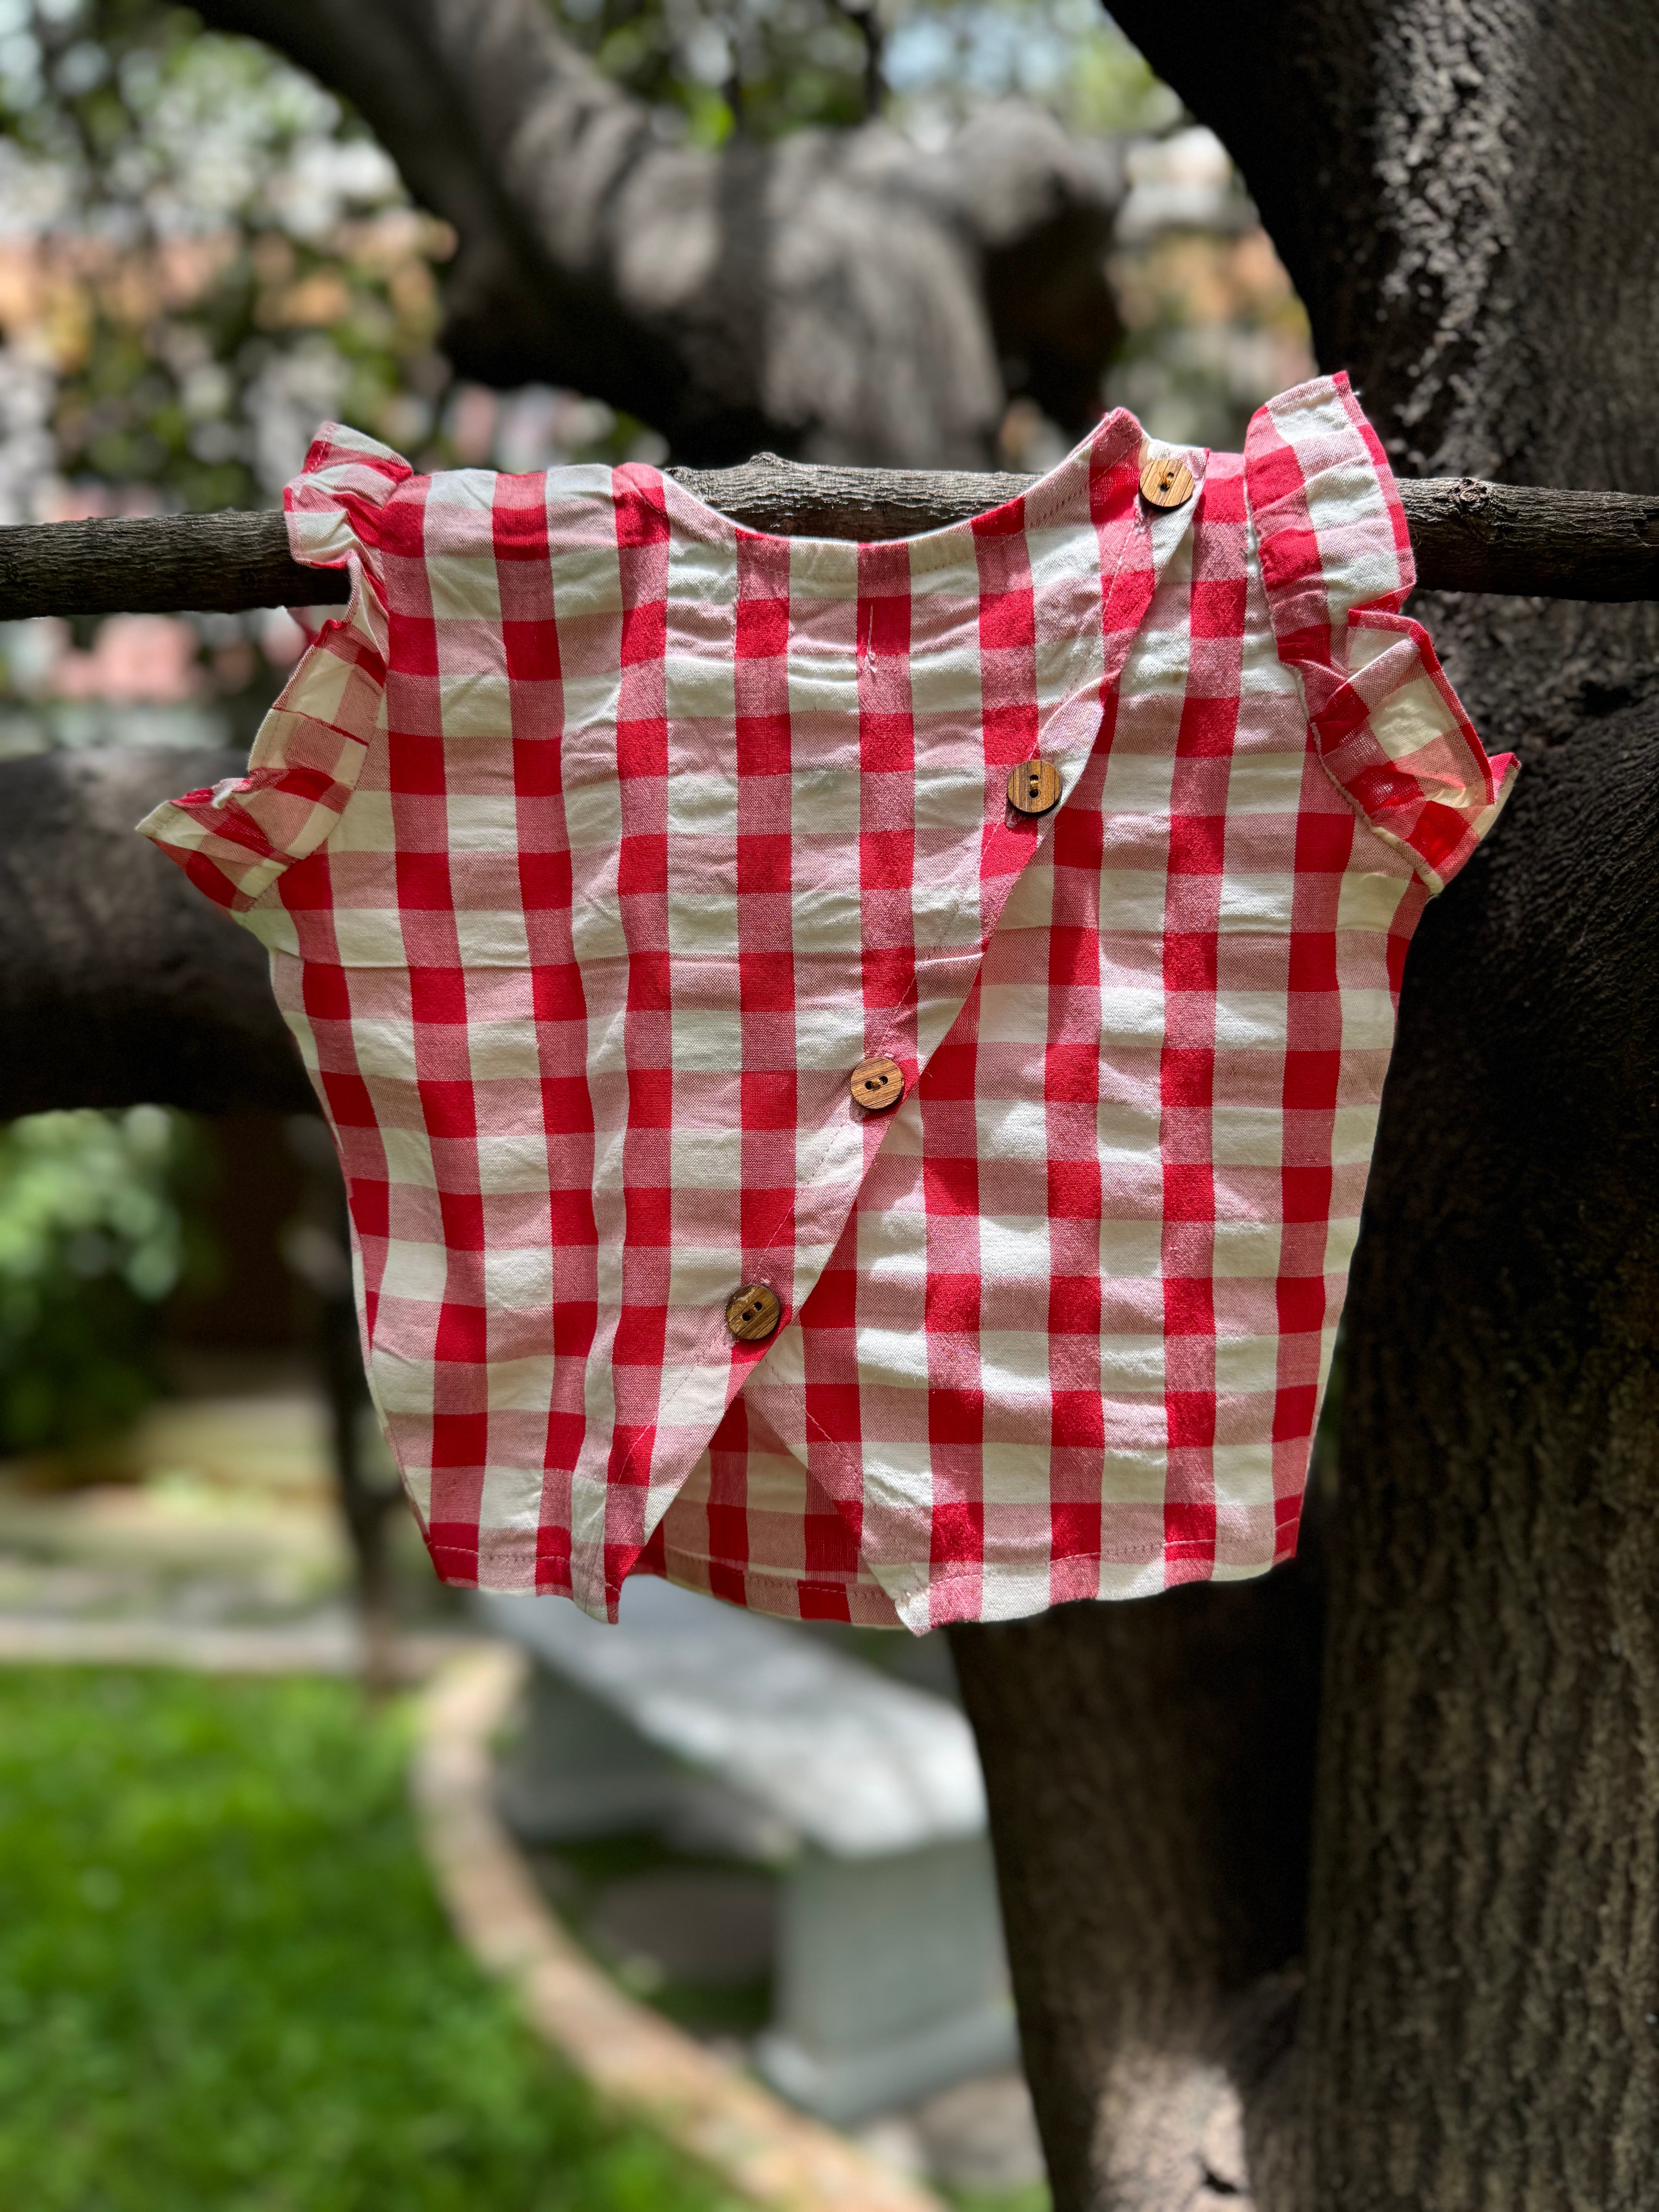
<point>226,1986</point>
<point>767,67</point>
<point>95,1231</point>
<point>221,246</point>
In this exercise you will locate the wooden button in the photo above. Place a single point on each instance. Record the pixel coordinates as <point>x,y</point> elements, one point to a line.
<point>1033,786</point>
<point>1165,480</point>
<point>877,1085</point>
<point>753,1314</point>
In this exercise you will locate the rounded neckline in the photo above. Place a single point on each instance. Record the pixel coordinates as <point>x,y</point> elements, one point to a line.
<point>1115,435</point>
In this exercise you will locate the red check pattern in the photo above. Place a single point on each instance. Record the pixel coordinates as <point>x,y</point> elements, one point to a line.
<point>602,839</point>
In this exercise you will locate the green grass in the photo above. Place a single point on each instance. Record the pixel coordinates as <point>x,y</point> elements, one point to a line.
<point>1034,2197</point>
<point>225,1982</point>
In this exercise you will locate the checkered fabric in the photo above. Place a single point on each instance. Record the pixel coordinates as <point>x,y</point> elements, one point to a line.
<point>601,839</point>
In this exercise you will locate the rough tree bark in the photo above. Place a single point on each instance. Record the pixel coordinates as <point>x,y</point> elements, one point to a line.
<point>842,295</point>
<point>1449,183</point>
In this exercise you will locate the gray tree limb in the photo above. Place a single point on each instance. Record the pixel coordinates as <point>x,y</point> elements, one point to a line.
<point>846,296</point>
<point>120,983</point>
<point>1468,537</point>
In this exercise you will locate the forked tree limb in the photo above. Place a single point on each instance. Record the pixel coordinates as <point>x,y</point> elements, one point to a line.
<point>843,295</point>
<point>1468,537</point>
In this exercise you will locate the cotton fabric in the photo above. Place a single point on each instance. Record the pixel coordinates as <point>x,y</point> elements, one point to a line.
<point>602,838</point>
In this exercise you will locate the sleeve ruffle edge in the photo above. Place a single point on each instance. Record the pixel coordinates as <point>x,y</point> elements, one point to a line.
<point>1336,563</point>
<point>234,841</point>
<point>335,505</point>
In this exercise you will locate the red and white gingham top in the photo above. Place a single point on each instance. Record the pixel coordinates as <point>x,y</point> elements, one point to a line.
<point>602,839</point>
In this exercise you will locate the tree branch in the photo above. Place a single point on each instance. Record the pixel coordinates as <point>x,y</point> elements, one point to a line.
<point>158,564</point>
<point>842,294</point>
<point>1468,537</point>
<point>120,981</point>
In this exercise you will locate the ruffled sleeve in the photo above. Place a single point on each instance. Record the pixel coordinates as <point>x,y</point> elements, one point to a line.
<point>235,840</point>
<point>1336,563</point>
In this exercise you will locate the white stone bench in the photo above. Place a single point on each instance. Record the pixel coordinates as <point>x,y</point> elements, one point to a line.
<point>716,1726</point>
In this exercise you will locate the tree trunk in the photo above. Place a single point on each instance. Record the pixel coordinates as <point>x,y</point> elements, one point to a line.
<point>1149,1768</point>
<point>1452,187</point>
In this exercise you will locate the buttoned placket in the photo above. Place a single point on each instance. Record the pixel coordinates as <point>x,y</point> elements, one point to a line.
<point>1121,588</point>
